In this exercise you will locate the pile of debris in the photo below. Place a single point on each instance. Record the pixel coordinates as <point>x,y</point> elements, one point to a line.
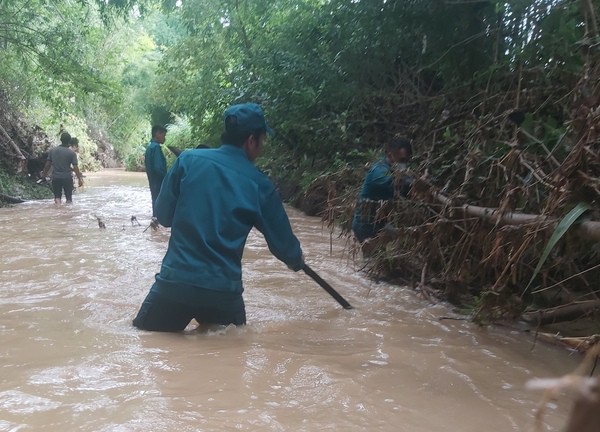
<point>503,214</point>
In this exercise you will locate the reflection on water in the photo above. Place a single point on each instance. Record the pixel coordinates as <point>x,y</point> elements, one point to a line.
<point>72,361</point>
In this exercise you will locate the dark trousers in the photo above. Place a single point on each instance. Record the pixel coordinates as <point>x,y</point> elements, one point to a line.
<point>154,191</point>
<point>161,313</point>
<point>58,185</point>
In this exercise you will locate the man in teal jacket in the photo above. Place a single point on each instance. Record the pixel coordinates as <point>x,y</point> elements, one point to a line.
<point>155,163</point>
<point>379,185</point>
<point>211,199</point>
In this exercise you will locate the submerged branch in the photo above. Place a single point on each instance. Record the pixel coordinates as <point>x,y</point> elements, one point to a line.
<point>10,199</point>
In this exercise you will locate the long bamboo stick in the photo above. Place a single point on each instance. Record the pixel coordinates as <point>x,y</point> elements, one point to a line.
<point>586,229</point>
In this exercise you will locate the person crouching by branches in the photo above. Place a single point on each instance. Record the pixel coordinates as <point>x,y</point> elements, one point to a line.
<point>379,185</point>
<point>63,161</point>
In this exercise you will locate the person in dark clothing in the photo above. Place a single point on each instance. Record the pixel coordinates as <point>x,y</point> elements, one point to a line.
<point>211,199</point>
<point>35,167</point>
<point>156,163</point>
<point>63,162</point>
<point>379,185</point>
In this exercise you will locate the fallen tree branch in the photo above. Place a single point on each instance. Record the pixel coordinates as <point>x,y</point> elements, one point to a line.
<point>581,344</point>
<point>10,199</point>
<point>586,229</point>
<point>15,147</point>
<point>561,313</point>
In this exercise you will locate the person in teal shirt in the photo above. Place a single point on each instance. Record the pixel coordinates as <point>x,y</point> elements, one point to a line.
<point>379,185</point>
<point>211,199</point>
<point>155,163</point>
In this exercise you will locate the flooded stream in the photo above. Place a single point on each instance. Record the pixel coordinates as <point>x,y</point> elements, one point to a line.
<point>71,360</point>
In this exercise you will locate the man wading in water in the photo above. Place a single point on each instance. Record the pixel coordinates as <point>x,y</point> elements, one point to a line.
<point>211,199</point>
<point>155,163</point>
<point>63,161</point>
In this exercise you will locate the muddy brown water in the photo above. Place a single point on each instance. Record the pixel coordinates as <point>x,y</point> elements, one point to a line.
<point>71,361</point>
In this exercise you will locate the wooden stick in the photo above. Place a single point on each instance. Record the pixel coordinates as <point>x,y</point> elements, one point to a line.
<point>310,272</point>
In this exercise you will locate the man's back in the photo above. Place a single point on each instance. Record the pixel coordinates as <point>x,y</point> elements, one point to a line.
<point>212,198</point>
<point>62,159</point>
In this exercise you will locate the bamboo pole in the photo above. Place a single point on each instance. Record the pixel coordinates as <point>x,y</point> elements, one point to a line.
<point>568,312</point>
<point>585,229</point>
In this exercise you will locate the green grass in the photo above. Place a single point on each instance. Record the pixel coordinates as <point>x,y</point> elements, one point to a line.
<point>22,187</point>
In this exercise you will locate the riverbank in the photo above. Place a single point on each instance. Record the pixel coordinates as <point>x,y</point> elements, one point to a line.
<point>16,188</point>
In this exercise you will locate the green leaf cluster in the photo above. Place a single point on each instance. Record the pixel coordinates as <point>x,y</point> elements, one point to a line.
<point>337,78</point>
<point>334,75</point>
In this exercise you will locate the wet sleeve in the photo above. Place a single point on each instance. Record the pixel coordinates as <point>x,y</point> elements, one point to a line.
<point>168,196</point>
<point>273,222</point>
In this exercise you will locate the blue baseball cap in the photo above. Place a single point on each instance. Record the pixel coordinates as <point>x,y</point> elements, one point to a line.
<point>244,118</point>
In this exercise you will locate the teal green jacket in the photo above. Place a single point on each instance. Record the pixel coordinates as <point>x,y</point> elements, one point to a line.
<point>211,199</point>
<point>377,186</point>
<point>155,163</point>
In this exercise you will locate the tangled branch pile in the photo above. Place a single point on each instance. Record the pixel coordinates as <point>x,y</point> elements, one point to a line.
<point>496,174</point>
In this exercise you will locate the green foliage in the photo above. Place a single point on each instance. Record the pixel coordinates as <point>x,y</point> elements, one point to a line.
<point>90,61</point>
<point>320,68</point>
<point>336,78</point>
<point>51,51</point>
<point>561,229</point>
<point>180,134</point>
<point>22,187</point>
<point>134,161</point>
